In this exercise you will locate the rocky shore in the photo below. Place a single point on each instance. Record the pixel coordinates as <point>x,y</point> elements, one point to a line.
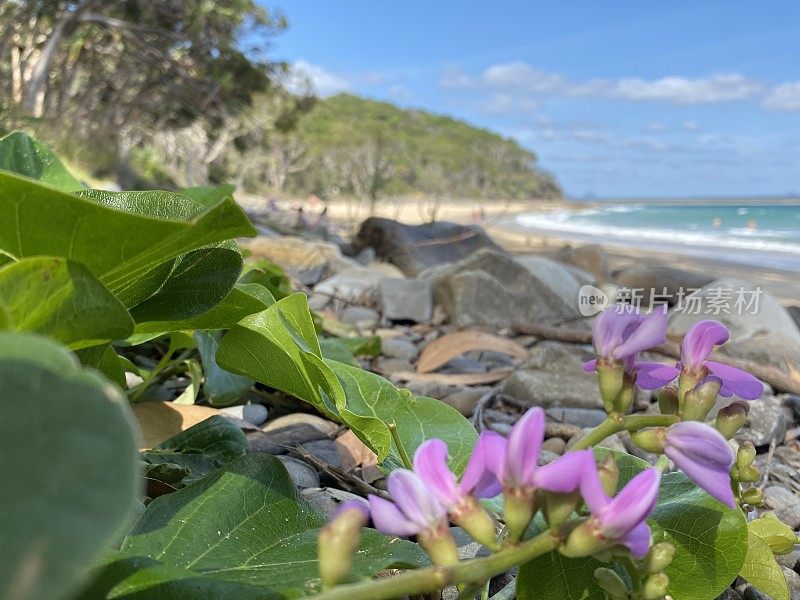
<point>457,317</point>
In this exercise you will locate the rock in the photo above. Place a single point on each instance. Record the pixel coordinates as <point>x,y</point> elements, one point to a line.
<point>788,560</point>
<point>793,579</point>
<point>794,312</point>
<point>307,260</point>
<point>771,318</point>
<point>590,258</point>
<point>785,504</point>
<point>766,421</point>
<point>582,417</point>
<point>464,400</point>
<point>359,316</point>
<point>399,348</point>
<point>283,433</point>
<point>406,299</point>
<point>414,248</point>
<point>490,288</point>
<point>356,284</point>
<point>301,474</point>
<point>554,275</point>
<point>327,500</point>
<point>463,364</point>
<point>552,377</point>
<point>665,282</point>
<point>331,452</point>
<point>392,365</point>
<point>555,445</point>
<point>252,413</point>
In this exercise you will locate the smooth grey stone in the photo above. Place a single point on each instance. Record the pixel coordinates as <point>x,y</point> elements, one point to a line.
<point>301,474</point>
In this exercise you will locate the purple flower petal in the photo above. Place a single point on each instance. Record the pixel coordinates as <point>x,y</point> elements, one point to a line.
<point>590,367</point>
<point>651,376</point>
<point>700,340</point>
<point>638,540</point>
<point>735,381</point>
<point>612,326</point>
<point>414,498</point>
<point>522,449</point>
<point>704,455</point>
<point>430,463</point>
<point>592,490</point>
<point>481,476</point>
<point>631,506</point>
<point>651,331</point>
<point>564,474</point>
<point>388,519</point>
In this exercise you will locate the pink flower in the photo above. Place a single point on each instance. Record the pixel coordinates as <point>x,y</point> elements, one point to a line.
<point>414,509</point>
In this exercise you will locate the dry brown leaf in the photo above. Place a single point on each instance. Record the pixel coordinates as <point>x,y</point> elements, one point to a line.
<point>159,421</point>
<point>363,456</point>
<point>441,351</point>
<point>454,379</point>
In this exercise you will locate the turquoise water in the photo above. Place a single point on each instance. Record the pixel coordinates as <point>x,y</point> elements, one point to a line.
<point>755,234</point>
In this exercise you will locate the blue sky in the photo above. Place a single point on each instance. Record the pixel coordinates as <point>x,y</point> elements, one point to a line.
<point>618,99</point>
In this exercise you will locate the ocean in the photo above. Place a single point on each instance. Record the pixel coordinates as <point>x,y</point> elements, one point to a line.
<point>762,235</point>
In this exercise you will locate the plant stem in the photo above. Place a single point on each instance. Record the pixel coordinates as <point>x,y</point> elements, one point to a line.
<point>400,447</point>
<point>615,424</point>
<point>437,578</point>
<point>633,572</point>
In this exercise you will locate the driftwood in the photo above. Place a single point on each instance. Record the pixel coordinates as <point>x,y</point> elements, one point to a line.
<point>769,374</point>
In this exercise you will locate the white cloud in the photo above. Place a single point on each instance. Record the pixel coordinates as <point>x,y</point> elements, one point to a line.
<point>453,77</point>
<point>784,97</point>
<point>503,104</point>
<point>690,126</point>
<point>303,75</point>
<point>657,127</point>
<point>680,90</point>
<point>520,75</point>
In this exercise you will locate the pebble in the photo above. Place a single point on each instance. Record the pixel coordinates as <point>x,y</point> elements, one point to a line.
<point>301,474</point>
<point>281,434</point>
<point>464,401</point>
<point>766,421</point>
<point>582,417</point>
<point>793,579</point>
<point>327,500</point>
<point>252,413</point>
<point>399,348</point>
<point>555,445</point>
<point>464,364</point>
<point>392,365</point>
<point>785,504</point>
<point>360,316</point>
<point>330,452</point>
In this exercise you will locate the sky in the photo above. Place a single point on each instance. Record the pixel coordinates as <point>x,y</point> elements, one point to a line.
<point>617,99</point>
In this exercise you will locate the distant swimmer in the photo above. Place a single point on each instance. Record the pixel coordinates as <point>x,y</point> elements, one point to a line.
<point>716,222</point>
<point>752,225</point>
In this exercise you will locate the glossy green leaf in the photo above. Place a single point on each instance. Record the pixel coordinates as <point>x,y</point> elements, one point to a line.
<point>246,523</point>
<point>279,348</point>
<point>202,448</point>
<point>118,246</point>
<point>779,536</point>
<point>220,388</point>
<point>70,477</point>
<point>60,299</point>
<point>208,195</point>
<point>105,359</point>
<point>760,567</point>
<point>334,349</point>
<point>268,274</point>
<point>363,345</point>
<point>195,373</point>
<point>372,403</point>
<point>21,154</point>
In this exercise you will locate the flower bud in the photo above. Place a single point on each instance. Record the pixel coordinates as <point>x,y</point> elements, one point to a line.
<point>700,400</point>
<point>749,474</point>
<point>608,472</point>
<point>668,400</point>
<point>338,541</point>
<point>559,507</point>
<point>583,540</point>
<point>611,583</point>
<point>655,587</point>
<point>519,506</point>
<point>752,496</point>
<point>731,418</point>
<point>658,558</point>
<point>745,455</point>
<point>651,439</point>
<point>439,544</point>
<point>626,395</point>
<point>477,522</point>
<point>611,379</point>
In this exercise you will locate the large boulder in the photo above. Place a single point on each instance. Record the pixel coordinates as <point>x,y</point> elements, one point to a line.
<point>356,284</point>
<point>666,283</point>
<point>406,299</point>
<point>590,258</point>
<point>414,248</point>
<point>308,261</point>
<point>490,288</point>
<point>565,280</point>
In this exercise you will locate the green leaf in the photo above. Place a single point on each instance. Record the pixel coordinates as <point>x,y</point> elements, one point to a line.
<point>105,359</point>
<point>268,274</point>
<point>208,195</point>
<point>279,348</point>
<point>138,578</point>
<point>246,523</point>
<point>760,567</point>
<point>710,539</point>
<point>202,448</point>
<point>119,247</point>
<point>68,449</point>
<point>243,300</point>
<point>220,387</point>
<point>373,403</point>
<point>778,535</point>
<point>60,299</point>
<point>195,372</point>
<point>363,345</point>
<point>334,349</point>
<point>21,154</point>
